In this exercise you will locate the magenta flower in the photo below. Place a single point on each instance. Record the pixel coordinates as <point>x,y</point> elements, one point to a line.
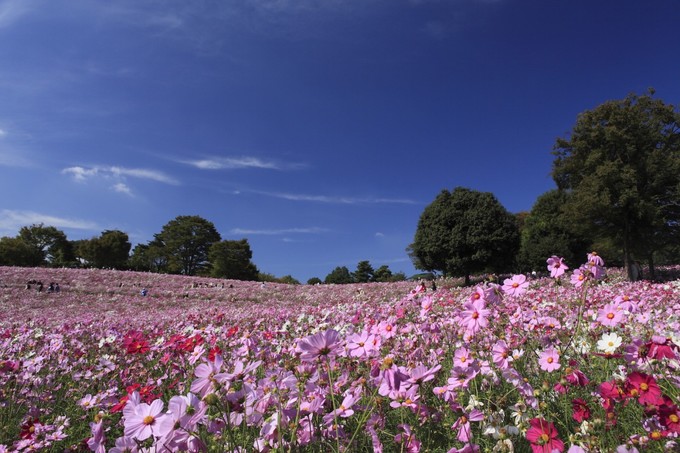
<point>549,360</point>
<point>322,344</point>
<point>501,354</point>
<point>515,286</point>
<point>148,420</point>
<point>556,266</point>
<point>543,437</point>
<point>463,424</point>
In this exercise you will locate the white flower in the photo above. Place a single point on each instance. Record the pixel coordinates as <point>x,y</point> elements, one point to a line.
<point>609,343</point>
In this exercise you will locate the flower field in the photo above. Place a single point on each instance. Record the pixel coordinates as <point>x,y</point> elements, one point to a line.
<point>580,361</point>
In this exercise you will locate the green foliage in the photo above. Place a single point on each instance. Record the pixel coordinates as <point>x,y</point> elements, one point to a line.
<point>49,242</point>
<point>289,280</point>
<point>464,232</point>
<point>314,281</point>
<point>339,275</point>
<point>364,273</point>
<point>186,242</point>
<point>110,250</point>
<point>548,231</point>
<point>149,257</point>
<point>16,252</point>
<point>622,163</point>
<point>232,260</point>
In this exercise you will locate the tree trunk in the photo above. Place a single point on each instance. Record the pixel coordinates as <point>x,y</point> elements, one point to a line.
<point>650,261</point>
<point>627,262</point>
<point>467,279</point>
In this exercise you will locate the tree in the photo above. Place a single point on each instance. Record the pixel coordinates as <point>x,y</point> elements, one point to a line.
<point>289,280</point>
<point>464,232</point>
<point>149,257</point>
<point>186,241</point>
<point>48,241</point>
<point>314,281</point>
<point>16,252</point>
<point>232,259</point>
<point>364,272</point>
<point>339,275</point>
<point>383,274</point>
<point>621,162</point>
<point>547,231</point>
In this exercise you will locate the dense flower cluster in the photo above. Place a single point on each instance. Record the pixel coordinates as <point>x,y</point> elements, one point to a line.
<point>581,364</point>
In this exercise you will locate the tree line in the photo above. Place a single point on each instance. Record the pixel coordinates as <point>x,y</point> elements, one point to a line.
<point>618,192</point>
<point>187,245</point>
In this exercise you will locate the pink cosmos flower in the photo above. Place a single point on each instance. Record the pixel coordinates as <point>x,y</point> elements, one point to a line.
<point>502,355</point>
<point>579,277</point>
<point>462,358</point>
<point>515,286</point>
<point>543,437</point>
<point>205,373</point>
<point>549,360</point>
<point>610,315</point>
<point>556,266</point>
<point>473,318</point>
<point>362,344</point>
<point>148,420</point>
<point>322,344</point>
<point>463,424</point>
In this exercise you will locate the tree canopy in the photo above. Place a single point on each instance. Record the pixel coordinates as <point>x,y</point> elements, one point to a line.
<point>621,163</point>
<point>232,259</point>
<point>186,241</point>
<point>339,275</point>
<point>548,231</point>
<point>464,232</point>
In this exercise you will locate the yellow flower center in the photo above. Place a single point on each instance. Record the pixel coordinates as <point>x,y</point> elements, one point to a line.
<point>550,360</point>
<point>644,387</point>
<point>148,420</point>
<point>610,315</point>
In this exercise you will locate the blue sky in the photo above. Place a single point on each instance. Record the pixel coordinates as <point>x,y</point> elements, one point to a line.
<point>317,129</point>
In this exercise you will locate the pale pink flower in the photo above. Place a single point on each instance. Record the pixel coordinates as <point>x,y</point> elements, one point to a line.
<point>610,315</point>
<point>322,344</point>
<point>515,286</point>
<point>148,420</point>
<point>205,373</point>
<point>501,354</point>
<point>362,344</point>
<point>462,358</point>
<point>473,318</point>
<point>579,277</point>
<point>549,360</point>
<point>463,424</point>
<point>556,266</point>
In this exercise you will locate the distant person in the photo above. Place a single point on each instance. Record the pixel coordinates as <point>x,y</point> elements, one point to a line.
<point>434,286</point>
<point>144,292</point>
<point>636,271</point>
<point>40,287</point>
<point>50,289</point>
<point>56,288</point>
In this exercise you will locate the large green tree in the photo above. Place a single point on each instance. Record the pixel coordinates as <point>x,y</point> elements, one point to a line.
<point>186,241</point>
<point>110,250</point>
<point>233,260</point>
<point>548,231</point>
<point>339,275</point>
<point>621,162</point>
<point>16,252</point>
<point>364,272</point>
<point>49,242</point>
<point>464,232</point>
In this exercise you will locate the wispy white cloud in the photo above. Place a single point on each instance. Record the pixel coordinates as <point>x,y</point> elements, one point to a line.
<point>13,10</point>
<point>11,221</point>
<point>336,199</point>
<point>2,133</point>
<point>82,173</point>
<point>237,163</point>
<point>122,188</point>
<point>274,232</point>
